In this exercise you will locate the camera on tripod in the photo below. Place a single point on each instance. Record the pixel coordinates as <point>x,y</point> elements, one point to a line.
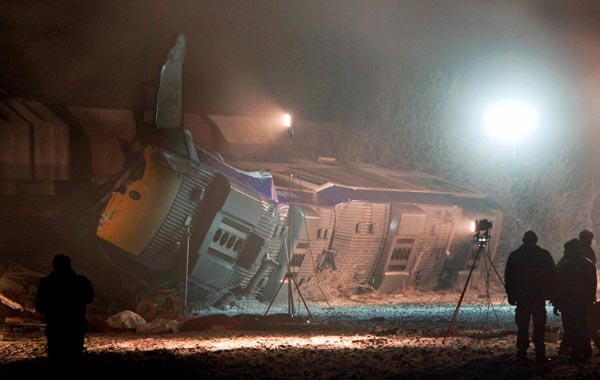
<point>481,228</point>
<point>482,231</point>
<point>482,225</point>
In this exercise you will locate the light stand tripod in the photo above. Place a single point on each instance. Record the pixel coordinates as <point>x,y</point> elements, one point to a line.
<point>290,277</point>
<point>481,237</point>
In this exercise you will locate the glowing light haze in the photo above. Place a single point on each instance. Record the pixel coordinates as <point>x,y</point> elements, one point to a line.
<point>287,120</point>
<point>511,119</point>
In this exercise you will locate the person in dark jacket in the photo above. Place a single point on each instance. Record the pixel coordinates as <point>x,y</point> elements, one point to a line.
<point>586,237</point>
<point>62,297</point>
<point>564,349</point>
<point>577,294</point>
<point>530,278</point>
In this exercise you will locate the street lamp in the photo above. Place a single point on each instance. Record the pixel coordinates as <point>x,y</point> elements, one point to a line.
<point>512,120</point>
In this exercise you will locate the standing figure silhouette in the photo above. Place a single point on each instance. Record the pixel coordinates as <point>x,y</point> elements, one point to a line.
<point>531,279</point>
<point>62,298</point>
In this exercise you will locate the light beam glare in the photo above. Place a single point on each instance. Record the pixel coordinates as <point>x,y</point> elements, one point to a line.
<point>510,119</point>
<point>287,120</point>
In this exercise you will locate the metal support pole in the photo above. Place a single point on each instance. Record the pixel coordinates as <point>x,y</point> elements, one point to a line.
<point>516,187</point>
<point>188,224</point>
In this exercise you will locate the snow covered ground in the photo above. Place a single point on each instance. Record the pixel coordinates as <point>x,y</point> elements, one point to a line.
<point>403,337</point>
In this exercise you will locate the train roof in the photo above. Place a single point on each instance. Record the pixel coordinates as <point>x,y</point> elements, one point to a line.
<point>330,183</point>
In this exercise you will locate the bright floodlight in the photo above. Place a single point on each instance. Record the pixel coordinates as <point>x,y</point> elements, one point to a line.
<point>287,120</point>
<point>472,227</point>
<point>510,119</point>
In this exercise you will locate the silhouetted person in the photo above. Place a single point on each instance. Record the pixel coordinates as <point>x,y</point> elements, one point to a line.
<point>62,297</point>
<point>570,249</point>
<point>564,348</point>
<point>577,294</point>
<point>530,279</point>
<point>586,237</point>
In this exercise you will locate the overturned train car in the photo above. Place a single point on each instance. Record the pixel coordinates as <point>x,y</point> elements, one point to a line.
<point>362,227</point>
<point>189,210</point>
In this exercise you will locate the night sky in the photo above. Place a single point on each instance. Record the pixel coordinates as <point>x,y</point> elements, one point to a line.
<point>314,57</point>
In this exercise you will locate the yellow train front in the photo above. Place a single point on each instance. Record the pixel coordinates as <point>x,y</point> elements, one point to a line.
<point>165,198</point>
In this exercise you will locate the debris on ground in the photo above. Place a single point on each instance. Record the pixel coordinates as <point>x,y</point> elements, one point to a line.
<point>127,320</point>
<point>158,326</point>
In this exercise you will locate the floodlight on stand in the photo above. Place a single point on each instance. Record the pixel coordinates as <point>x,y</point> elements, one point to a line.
<point>472,227</point>
<point>288,241</point>
<point>288,123</point>
<point>510,119</point>
<point>287,120</point>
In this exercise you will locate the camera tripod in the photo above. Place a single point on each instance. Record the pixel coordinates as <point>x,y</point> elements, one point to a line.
<point>481,237</point>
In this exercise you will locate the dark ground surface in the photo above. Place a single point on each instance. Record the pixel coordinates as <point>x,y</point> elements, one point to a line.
<point>394,341</point>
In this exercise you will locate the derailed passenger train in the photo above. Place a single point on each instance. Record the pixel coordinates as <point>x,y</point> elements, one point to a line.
<point>239,220</point>
<point>360,227</point>
<point>395,236</point>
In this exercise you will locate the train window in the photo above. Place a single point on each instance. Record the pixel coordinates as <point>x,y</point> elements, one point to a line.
<point>197,194</point>
<point>401,253</point>
<point>238,245</point>
<point>217,235</point>
<point>231,242</point>
<point>302,245</point>
<point>136,196</point>
<point>371,227</point>
<point>399,259</point>
<point>224,238</point>
<point>404,253</point>
<point>297,260</point>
